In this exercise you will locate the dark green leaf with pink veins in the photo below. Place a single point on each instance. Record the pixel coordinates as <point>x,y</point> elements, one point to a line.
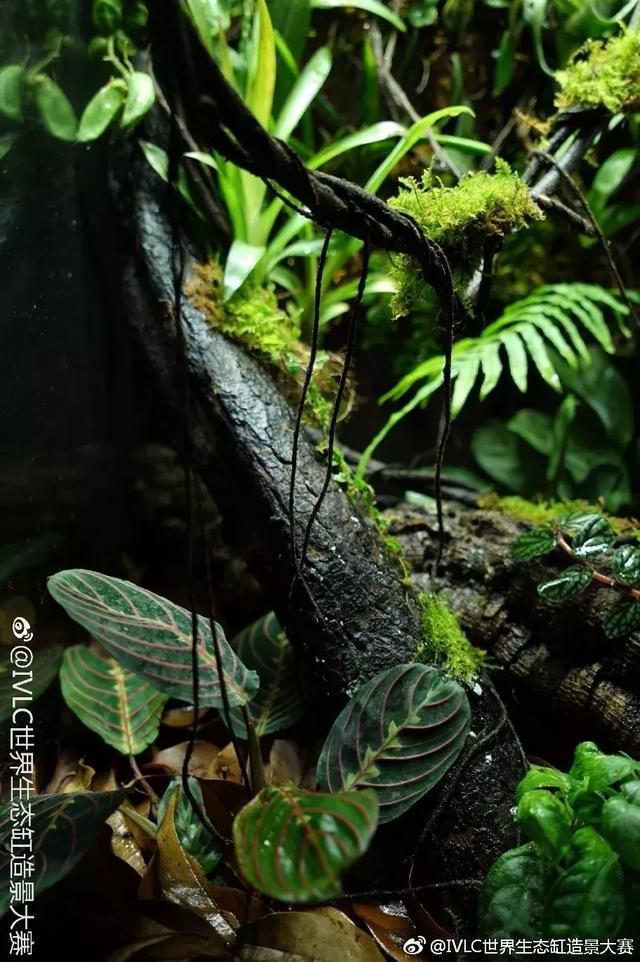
<point>399,734</point>
<point>153,637</point>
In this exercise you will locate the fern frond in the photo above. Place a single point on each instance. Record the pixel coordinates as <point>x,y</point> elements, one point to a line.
<point>554,316</point>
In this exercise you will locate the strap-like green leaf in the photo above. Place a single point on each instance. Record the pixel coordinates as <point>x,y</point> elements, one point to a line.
<point>110,700</point>
<point>399,734</point>
<point>152,636</point>
<point>294,845</point>
<point>63,827</point>
<point>265,648</point>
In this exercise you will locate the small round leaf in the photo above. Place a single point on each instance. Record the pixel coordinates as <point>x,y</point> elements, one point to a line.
<point>140,98</point>
<point>100,111</point>
<point>57,114</point>
<point>626,565</point>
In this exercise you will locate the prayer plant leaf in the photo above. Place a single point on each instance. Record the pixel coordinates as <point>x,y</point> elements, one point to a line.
<point>533,543</point>
<point>110,700</point>
<point>569,584</point>
<point>294,845</point>
<point>45,666</point>
<point>265,648</point>
<point>63,827</point>
<point>399,734</point>
<point>153,637</point>
<point>192,834</point>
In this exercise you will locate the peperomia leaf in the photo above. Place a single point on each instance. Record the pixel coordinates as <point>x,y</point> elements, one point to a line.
<point>621,825</point>
<point>46,663</point>
<point>399,734</point>
<point>294,845</point>
<point>152,636</point>
<point>587,900</point>
<point>594,539</point>
<point>622,618</point>
<point>265,648</point>
<point>572,523</point>
<point>626,565</point>
<point>567,585</point>
<point>532,544</point>
<point>110,700</point>
<point>64,827</point>
<point>192,834</point>
<point>513,895</point>
<point>546,820</point>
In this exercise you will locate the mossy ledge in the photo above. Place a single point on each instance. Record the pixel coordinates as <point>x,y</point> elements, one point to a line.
<point>603,75</point>
<point>540,512</point>
<point>460,219</point>
<point>445,643</point>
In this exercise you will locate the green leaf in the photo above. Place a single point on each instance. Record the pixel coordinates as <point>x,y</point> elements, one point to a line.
<point>505,458</point>
<point>534,427</point>
<point>609,176</point>
<point>399,734</point>
<point>303,93</point>
<point>370,6</point>
<point>292,20</point>
<point>110,700</point>
<point>543,776</point>
<point>64,826</point>
<point>6,143</point>
<point>622,619</point>
<point>45,666</point>
<point>241,260</point>
<point>385,130</point>
<point>55,110</point>
<point>626,565</point>
<point>587,900</point>
<point>100,111</point>
<point>572,523</point>
<point>534,543</point>
<point>141,97</point>
<point>466,374</point>
<point>569,584</point>
<point>546,820</point>
<point>265,648</point>
<point>594,539</point>
<point>600,771</point>
<point>504,64</point>
<point>605,391</point>
<point>294,845</point>
<point>152,636</point>
<point>192,834</point>
<point>210,18</point>
<point>621,827</point>
<point>11,91</point>
<point>518,363</point>
<point>513,895</point>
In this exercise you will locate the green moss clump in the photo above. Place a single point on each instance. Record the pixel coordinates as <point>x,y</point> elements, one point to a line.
<point>460,219</point>
<point>445,642</point>
<point>253,318</point>
<point>603,75</point>
<point>539,512</point>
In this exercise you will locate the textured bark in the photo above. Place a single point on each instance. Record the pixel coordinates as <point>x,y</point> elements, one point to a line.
<point>556,657</point>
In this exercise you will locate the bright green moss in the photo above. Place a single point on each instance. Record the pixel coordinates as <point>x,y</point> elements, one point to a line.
<point>539,512</point>
<point>445,643</point>
<point>603,75</point>
<point>460,219</point>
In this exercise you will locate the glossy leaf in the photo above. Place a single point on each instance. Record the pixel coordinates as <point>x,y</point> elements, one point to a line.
<point>621,826</point>
<point>572,523</point>
<point>140,98</point>
<point>546,820</point>
<point>569,584</point>
<point>56,112</point>
<point>600,771</point>
<point>399,734</point>
<point>44,668</point>
<point>543,776</point>
<point>292,20</point>
<point>622,619</point>
<point>321,935</point>
<point>534,543</point>
<point>264,648</point>
<point>241,260</point>
<point>110,700</point>
<point>594,539</point>
<point>192,834</point>
<point>64,826</point>
<point>626,565</point>
<point>513,896</point>
<point>100,111</point>
<point>294,845</point>
<point>369,6</point>
<point>152,636</point>
<point>303,93</point>
<point>11,91</point>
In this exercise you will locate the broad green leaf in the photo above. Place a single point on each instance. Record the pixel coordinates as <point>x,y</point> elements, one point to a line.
<point>543,776</point>
<point>44,668</point>
<point>265,648</point>
<point>294,845</point>
<point>609,176</point>
<point>152,636</point>
<point>11,91</point>
<point>534,543</point>
<point>399,734</point>
<point>622,619</point>
<point>192,834</point>
<point>598,770</point>
<point>513,896</point>
<point>303,93</point>
<point>376,7</point>
<point>594,539</point>
<point>621,827</point>
<point>626,565</point>
<point>292,20</point>
<point>241,260</point>
<point>110,700</point>
<point>534,427</point>
<point>55,110</point>
<point>572,523</point>
<point>64,826</point>
<point>602,387</point>
<point>506,459</point>
<point>546,820</point>
<point>569,584</point>
<point>587,900</point>
<point>100,111</point>
<point>141,97</point>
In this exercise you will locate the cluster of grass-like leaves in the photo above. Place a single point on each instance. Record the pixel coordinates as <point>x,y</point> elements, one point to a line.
<point>589,541</point>
<point>578,875</point>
